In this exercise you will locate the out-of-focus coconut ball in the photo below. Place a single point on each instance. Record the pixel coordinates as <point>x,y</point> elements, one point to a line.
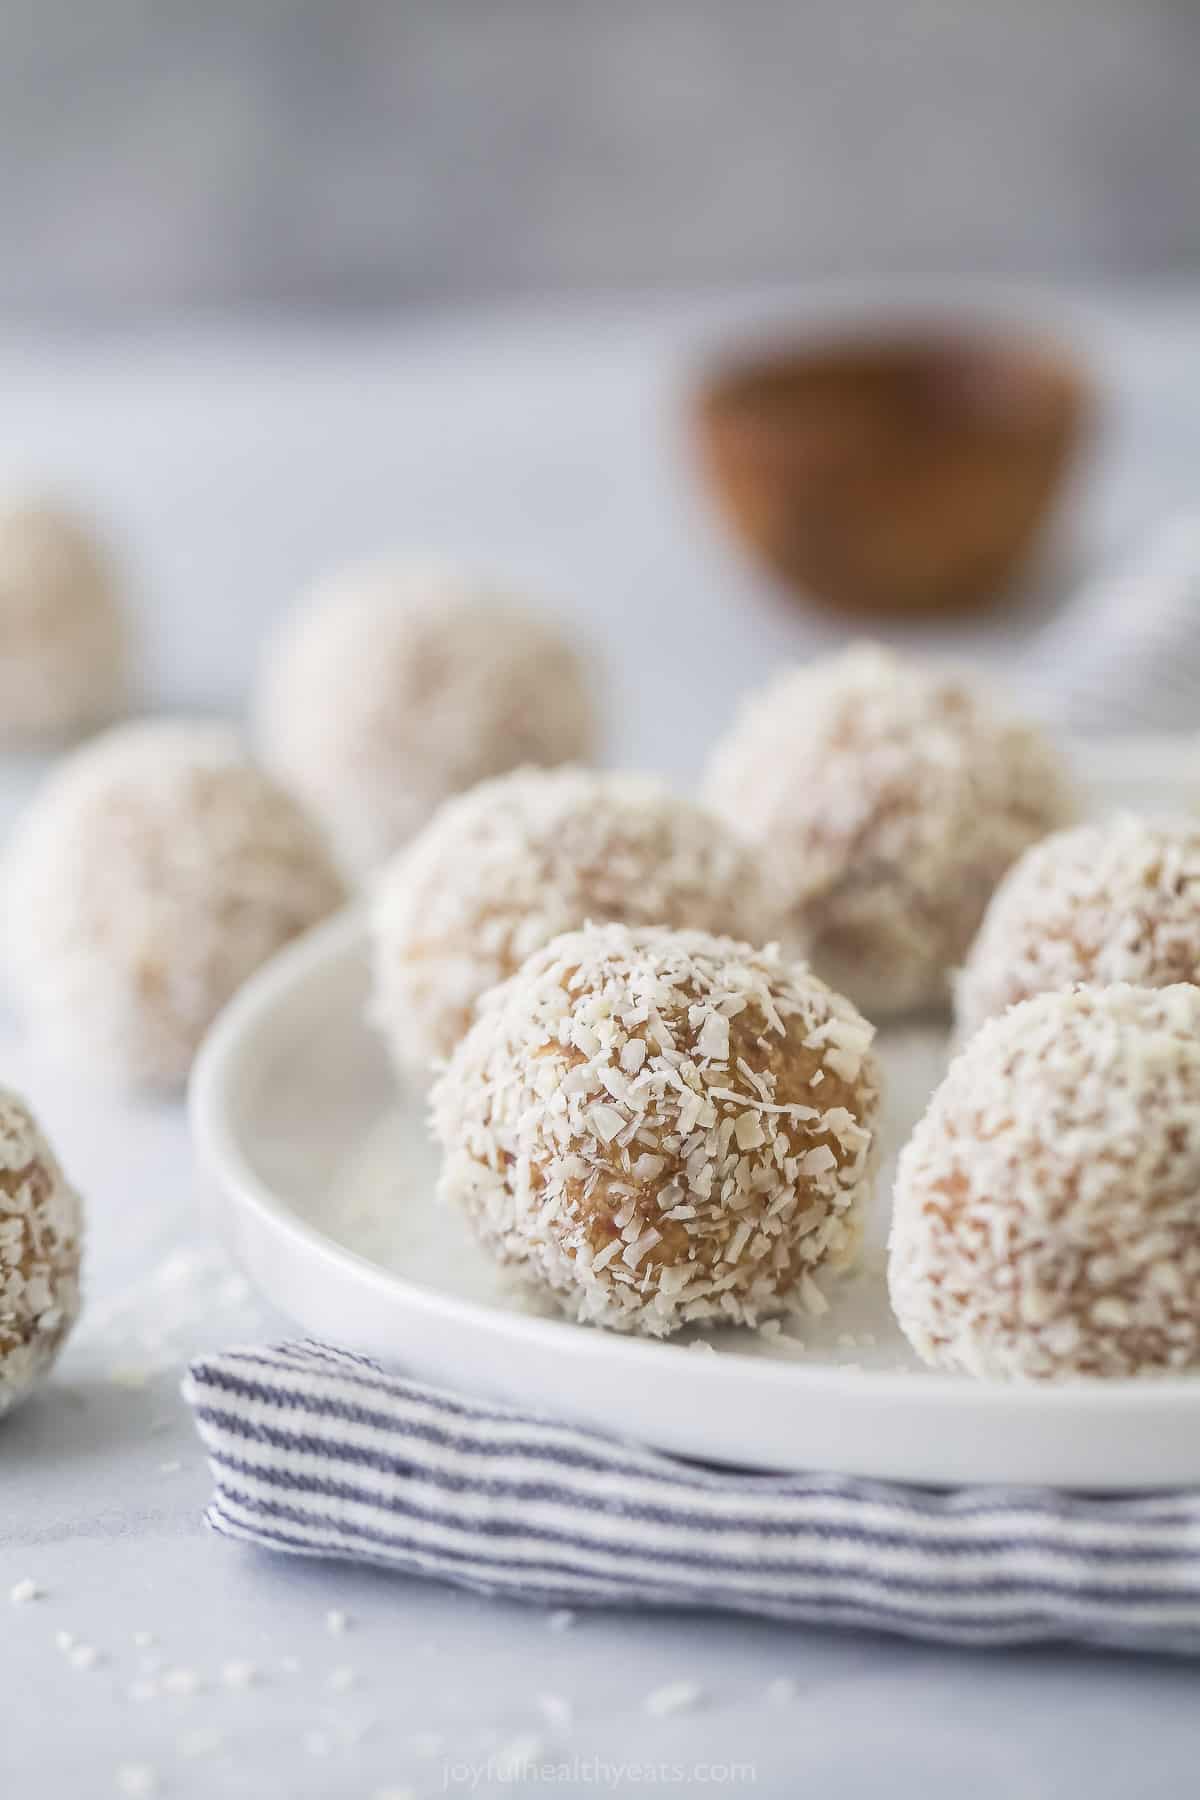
<point>1047,1207</point>
<point>400,684</point>
<point>64,636</point>
<point>662,1128</point>
<point>1103,903</point>
<point>41,1242</point>
<point>886,798</point>
<point>501,870</point>
<point>154,871</point>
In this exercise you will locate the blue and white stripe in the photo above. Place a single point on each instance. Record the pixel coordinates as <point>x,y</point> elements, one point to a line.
<point>321,1453</point>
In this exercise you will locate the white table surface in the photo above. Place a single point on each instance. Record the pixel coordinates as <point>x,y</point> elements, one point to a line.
<point>233,466</point>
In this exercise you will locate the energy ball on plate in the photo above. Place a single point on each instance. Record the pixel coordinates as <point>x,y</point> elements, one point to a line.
<point>1047,1206</point>
<point>663,1127</point>
<point>64,643</point>
<point>41,1241</point>
<point>400,684</point>
<point>1118,901</point>
<point>506,867</point>
<point>887,798</point>
<point>153,872</point>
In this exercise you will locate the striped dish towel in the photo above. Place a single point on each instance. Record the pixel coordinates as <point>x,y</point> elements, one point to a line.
<point>318,1452</point>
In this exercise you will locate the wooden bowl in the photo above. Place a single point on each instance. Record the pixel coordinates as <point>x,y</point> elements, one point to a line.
<point>894,475</point>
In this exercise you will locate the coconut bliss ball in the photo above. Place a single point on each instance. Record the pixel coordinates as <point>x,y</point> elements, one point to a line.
<point>1047,1208</point>
<point>154,871</point>
<point>400,684</point>
<point>1104,903</point>
<point>887,798</point>
<point>506,867</point>
<point>41,1241</point>
<point>663,1128</point>
<point>64,642</point>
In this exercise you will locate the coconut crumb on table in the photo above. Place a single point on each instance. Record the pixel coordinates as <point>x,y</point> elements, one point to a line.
<point>512,1758</point>
<point>22,1592</point>
<point>206,1740</point>
<point>181,1682</point>
<point>672,1697</point>
<point>556,1710</point>
<point>136,1780</point>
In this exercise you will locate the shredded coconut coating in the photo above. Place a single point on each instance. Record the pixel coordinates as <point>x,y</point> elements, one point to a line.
<point>41,1240</point>
<point>154,871</point>
<point>887,799</point>
<point>663,1127</point>
<point>64,640</point>
<point>500,871</point>
<point>401,684</point>
<point>1112,902</point>
<point>1047,1206</point>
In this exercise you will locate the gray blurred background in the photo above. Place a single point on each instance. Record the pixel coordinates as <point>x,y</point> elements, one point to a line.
<point>178,154</point>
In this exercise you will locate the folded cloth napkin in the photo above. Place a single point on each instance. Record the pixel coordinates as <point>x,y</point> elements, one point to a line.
<point>321,1453</point>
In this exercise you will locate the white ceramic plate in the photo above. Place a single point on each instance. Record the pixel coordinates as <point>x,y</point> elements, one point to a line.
<point>327,1181</point>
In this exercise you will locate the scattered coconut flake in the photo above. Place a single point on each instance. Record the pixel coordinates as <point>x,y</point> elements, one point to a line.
<point>562,1620</point>
<point>64,1641</point>
<point>136,1780</point>
<point>170,1468</point>
<point>342,1679</point>
<point>206,1740</point>
<point>811,1297</point>
<point>674,1697</point>
<point>131,1375</point>
<point>239,1674</point>
<point>143,1640</point>
<point>22,1592</point>
<point>83,1656</point>
<point>181,1682</point>
<point>556,1710</point>
<point>781,1690</point>
<point>337,1622</point>
<point>513,1759</point>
